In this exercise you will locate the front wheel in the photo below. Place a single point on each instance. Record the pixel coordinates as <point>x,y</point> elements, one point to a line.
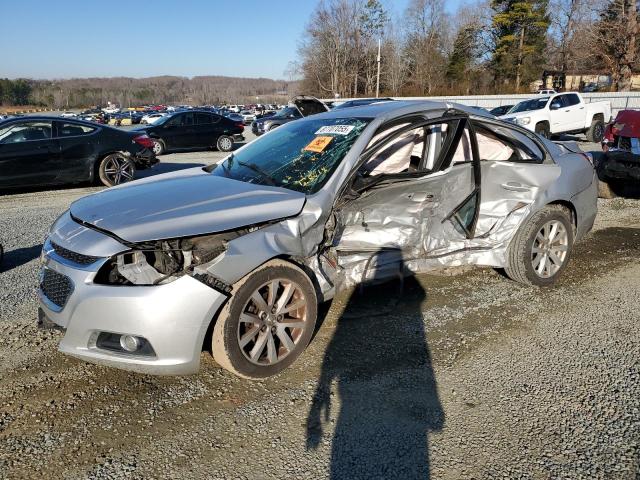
<point>224,143</point>
<point>158,147</point>
<point>115,169</point>
<point>267,323</point>
<point>541,248</point>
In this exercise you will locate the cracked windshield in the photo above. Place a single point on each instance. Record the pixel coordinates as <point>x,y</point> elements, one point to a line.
<point>300,156</point>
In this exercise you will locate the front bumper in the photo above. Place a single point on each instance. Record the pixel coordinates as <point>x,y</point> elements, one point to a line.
<point>173,318</point>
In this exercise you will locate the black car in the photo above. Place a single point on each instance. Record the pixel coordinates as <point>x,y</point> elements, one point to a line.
<point>501,110</point>
<point>53,150</point>
<point>194,129</point>
<point>300,106</point>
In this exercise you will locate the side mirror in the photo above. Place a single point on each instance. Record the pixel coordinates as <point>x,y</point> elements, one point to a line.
<point>555,106</point>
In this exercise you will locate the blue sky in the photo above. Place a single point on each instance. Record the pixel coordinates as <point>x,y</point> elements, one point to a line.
<point>72,38</point>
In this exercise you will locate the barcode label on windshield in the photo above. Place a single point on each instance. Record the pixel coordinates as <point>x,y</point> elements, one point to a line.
<point>335,129</point>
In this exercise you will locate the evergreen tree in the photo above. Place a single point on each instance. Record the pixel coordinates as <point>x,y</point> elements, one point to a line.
<point>519,29</point>
<point>463,56</point>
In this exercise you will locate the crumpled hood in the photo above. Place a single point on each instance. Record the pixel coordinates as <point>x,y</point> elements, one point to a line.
<point>186,203</point>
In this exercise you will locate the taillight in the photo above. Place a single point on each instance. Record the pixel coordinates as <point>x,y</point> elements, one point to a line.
<point>143,140</point>
<point>240,125</point>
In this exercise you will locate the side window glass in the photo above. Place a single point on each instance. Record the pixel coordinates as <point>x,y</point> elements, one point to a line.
<point>203,119</point>
<point>464,216</point>
<point>188,119</point>
<point>73,130</point>
<point>25,132</point>
<point>176,121</point>
<point>573,99</point>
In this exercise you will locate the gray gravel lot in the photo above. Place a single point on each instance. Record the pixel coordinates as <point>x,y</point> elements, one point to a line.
<point>464,374</point>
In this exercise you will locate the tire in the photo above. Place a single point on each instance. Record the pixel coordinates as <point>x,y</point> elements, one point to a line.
<point>159,147</point>
<point>605,191</point>
<point>265,353</point>
<point>224,143</point>
<point>521,262</point>
<point>542,129</point>
<point>116,169</point>
<point>595,133</point>
<point>1,254</point>
<point>273,127</point>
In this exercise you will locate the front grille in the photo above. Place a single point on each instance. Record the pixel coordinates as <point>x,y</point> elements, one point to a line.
<point>56,287</point>
<point>74,257</point>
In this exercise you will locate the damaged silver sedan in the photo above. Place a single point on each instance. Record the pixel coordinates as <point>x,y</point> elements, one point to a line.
<point>236,257</point>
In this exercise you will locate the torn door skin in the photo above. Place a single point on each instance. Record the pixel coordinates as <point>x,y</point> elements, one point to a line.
<point>415,237</point>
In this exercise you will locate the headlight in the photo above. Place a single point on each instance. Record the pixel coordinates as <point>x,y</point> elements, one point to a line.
<point>523,120</point>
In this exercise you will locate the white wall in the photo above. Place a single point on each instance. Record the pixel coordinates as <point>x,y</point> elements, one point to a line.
<point>619,100</point>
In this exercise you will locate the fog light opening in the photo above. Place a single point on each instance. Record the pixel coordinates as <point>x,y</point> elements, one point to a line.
<point>130,343</point>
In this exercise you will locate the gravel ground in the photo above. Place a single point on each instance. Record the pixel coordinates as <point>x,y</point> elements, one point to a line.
<point>461,375</point>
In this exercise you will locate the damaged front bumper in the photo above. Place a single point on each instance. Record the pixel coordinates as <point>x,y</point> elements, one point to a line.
<point>169,321</point>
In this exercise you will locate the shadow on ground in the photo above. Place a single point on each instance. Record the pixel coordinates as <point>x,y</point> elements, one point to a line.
<point>387,399</point>
<point>15,258</point>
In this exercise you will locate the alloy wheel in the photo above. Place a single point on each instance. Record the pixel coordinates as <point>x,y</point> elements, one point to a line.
<point>550,247</point>
<point>272,322</point>
<point>226,144</point>
<point>157,147</point>
<point>118,170</point>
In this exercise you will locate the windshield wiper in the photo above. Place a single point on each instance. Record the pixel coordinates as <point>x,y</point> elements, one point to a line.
<point>257,169</point>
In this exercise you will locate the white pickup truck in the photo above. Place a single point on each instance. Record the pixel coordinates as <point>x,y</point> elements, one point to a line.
<point>561,113</point>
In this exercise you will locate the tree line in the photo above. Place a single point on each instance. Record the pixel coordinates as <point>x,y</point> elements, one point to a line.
<point>124,91</point>
<point>491,46</point>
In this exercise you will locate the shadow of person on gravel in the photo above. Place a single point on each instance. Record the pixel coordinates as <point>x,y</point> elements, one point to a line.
<point>387,399</point>
<point>19,256</point>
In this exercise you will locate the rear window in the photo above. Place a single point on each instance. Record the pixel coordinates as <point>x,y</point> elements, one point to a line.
<point>73,130</point>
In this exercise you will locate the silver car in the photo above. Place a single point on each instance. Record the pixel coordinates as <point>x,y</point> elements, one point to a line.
<point>243,252</point>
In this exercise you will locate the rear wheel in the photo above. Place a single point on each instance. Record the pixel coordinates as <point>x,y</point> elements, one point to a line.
<point>541,248</point>
<point>542,129</point>
<point>224,143</point>
<point>267,323</point>
<point>115,169</point>
<point>595,134</point>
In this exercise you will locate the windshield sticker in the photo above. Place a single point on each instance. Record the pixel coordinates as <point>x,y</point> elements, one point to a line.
<point>335,129</point>
<point>318,144</point>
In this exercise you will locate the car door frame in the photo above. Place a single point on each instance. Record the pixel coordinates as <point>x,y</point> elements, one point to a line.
<point>350,192</point>
<point>43,149</point>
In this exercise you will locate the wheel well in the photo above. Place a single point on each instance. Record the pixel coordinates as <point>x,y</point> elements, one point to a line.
<point>598,116</point>
<point>572,210</point>
<point>542,122</point>
<point>206,343</point>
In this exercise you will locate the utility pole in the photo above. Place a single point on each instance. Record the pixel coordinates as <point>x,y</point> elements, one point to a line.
<point>378,74</point>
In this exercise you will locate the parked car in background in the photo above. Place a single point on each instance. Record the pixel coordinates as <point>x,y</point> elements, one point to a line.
<point>360,102</point>
<point>247,116</point>
<point>236,117</point>
<point>590,87</point>
<point>150,118</point>
<point>562,113</point>
<point>501,110</point>
<point>619,166</point>
<point>194,129</point>
<point>51,150</point>
<point>248,248</point>
<point>68,114</point>
<point>299,107</point>
<point>545,92</point>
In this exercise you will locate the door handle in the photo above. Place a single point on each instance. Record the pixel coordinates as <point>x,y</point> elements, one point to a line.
<point>516,187</point>
<point>420,196</point>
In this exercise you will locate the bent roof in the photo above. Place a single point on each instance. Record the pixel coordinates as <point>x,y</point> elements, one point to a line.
<point>398,108</point>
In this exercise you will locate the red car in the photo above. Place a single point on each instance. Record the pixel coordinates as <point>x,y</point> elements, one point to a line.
<point>619,167</point>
